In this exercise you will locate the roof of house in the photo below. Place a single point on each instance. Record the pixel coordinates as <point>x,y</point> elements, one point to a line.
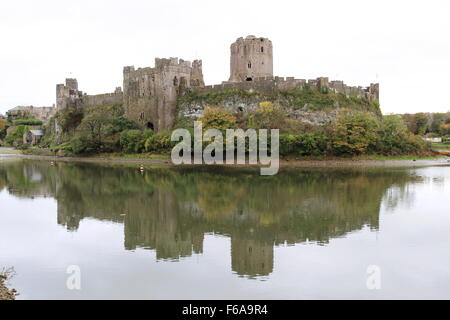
<point>37,132</point>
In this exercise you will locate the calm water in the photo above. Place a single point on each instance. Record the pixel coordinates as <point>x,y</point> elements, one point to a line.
<point>221,234</point>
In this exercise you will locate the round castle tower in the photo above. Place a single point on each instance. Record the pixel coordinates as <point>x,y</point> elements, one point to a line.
<point>251,58</point>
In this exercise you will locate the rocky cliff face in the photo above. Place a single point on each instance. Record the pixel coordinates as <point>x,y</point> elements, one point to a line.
<point>306,105</point>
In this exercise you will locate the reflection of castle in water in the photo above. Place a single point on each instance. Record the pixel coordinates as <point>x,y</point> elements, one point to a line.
<point>170,211</point>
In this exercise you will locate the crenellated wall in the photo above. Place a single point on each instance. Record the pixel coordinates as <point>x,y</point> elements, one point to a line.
<point>104,99</point>
<point>268,84</point>
<point>150,94</point>
<point>68,96</point>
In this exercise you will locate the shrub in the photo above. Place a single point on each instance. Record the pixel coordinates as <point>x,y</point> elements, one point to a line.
<point>83,144</point>
<point>15,138</point>
<point>307,144</point>
<point>353,133</point>
<point>288,144</point>
<point>159,143</point>
<point>27,122</point>
<point>218,119</point>
<point>268,116</point>
<point>119,124</point>
<point>312,144</point>
<point>134,140</point>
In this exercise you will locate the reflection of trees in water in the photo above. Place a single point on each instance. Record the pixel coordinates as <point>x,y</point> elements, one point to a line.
<point>170,210</point>
<point>397,195</point>
<point>26,179</point>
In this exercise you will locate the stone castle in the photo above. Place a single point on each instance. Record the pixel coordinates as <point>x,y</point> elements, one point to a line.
<point>149,95</point>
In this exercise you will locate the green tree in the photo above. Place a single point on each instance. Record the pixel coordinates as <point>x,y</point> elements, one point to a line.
<point>69,119</point>
<point>353,133</point>
<point>438,120</point>
<point>15,138</point>
<point>421,120</point>
<point>395,139</point>
<point>3,128</point>
<point>216,118</point>
<point>445,129</point>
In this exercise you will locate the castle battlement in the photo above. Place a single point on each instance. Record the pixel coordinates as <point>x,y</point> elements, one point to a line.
<point>268,84</point>
<point>172,62</point>
<point>68,96</point>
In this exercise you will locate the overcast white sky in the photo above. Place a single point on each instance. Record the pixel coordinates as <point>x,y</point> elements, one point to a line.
<point>404,45</point>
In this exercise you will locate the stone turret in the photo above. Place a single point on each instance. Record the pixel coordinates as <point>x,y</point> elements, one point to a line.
<point>251,58</point>
<point>67,95</point>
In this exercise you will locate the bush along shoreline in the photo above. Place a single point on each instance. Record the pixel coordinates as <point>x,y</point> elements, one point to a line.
<point>352,133</point>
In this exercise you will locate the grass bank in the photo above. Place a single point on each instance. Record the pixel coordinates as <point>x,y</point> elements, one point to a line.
<point>441,146</point>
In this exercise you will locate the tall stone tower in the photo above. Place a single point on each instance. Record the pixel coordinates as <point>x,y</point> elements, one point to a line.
<point>251,58</point>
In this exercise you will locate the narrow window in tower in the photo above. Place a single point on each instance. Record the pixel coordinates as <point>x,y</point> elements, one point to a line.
<point>249,65</point>
<point>262,49</point>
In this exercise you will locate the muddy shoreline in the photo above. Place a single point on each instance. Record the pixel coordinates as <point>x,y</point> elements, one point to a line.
<point>284,163</point>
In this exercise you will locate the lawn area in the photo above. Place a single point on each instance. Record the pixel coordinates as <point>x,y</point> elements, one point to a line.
<point>441,145</point>
<point>4,150</point>
<point>386,158</point>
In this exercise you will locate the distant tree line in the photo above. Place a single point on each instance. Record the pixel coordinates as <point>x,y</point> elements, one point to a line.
<point>437,124</point>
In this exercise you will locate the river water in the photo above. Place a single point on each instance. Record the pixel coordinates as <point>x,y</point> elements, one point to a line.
<point>224,233</point>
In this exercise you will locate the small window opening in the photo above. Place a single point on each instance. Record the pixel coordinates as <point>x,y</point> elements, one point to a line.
<point>262,49</point>
<point>249,65</point>
<point>249,79</point>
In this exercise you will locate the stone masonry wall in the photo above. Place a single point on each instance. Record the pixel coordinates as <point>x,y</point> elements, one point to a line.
<point>68,96</point>
<point>150,94</point>
<point>268,84</point>
<point>40,113</point>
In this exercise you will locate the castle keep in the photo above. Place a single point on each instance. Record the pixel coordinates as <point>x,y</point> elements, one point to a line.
<point>150,94</point>
<point>251,58</point>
